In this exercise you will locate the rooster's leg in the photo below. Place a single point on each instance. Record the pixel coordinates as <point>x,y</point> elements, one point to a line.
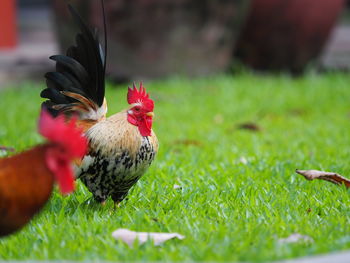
<point>116,205</point>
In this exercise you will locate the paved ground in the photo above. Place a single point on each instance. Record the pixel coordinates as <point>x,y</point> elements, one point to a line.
<point>341,257</point>
<point>337,50</point>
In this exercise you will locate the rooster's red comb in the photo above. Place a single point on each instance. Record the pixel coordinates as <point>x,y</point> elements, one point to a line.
<point>58,131</point>
<point>140,96</point>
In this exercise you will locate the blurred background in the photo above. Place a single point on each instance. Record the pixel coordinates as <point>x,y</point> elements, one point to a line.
<point>151,39</point>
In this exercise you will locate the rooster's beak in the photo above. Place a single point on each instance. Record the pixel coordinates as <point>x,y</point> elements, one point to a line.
<point>150,114</point>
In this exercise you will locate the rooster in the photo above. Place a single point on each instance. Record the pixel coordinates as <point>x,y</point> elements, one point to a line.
<point>26,179</point>
<point>122,146</point>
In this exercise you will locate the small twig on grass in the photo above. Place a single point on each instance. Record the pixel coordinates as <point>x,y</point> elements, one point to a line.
<point>251,126</point>
<point>327,176</point>
<point>188,142</point>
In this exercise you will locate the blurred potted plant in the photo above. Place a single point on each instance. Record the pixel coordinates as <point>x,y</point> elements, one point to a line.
<point>157,38</point>
<point>286,35</point>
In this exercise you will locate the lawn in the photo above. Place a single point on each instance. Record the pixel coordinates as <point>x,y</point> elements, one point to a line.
<point>239,193</point>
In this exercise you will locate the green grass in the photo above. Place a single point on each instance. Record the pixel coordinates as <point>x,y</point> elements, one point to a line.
<point>227,210</point>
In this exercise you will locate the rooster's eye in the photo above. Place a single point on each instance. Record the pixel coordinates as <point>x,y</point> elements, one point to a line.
<point>137,109</point>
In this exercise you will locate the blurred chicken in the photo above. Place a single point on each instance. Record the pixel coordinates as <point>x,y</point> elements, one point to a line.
<point>26,179</point>
<point>122,146</point>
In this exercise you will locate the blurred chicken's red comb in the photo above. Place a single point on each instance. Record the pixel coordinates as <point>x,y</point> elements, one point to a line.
<point>58,131</point>
<point>140,96</point>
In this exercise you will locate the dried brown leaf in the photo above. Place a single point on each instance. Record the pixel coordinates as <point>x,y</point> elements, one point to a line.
<point>129,236</point>
<point>327,176</point>
<point>188,142</point>
<point>251,126</point>
<point>297,112</point>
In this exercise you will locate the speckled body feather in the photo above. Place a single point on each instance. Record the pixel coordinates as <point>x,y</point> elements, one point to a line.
<point>118,157</point>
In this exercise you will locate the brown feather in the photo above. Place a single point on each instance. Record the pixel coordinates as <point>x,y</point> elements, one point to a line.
<point>85,124</point>
<point>24,188</point>
<point>86,102</point>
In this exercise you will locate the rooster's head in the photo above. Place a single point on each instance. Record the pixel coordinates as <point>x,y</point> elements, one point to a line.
<point>141,108</point>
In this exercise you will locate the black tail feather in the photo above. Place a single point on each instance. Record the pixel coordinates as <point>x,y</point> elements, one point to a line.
<point>81,71</point>
<point>56,95</point>
<point>105,35</point>
<point>74,68</point>
<point>90,54</point>
<point>62,82</point>
<point>47,105</point>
